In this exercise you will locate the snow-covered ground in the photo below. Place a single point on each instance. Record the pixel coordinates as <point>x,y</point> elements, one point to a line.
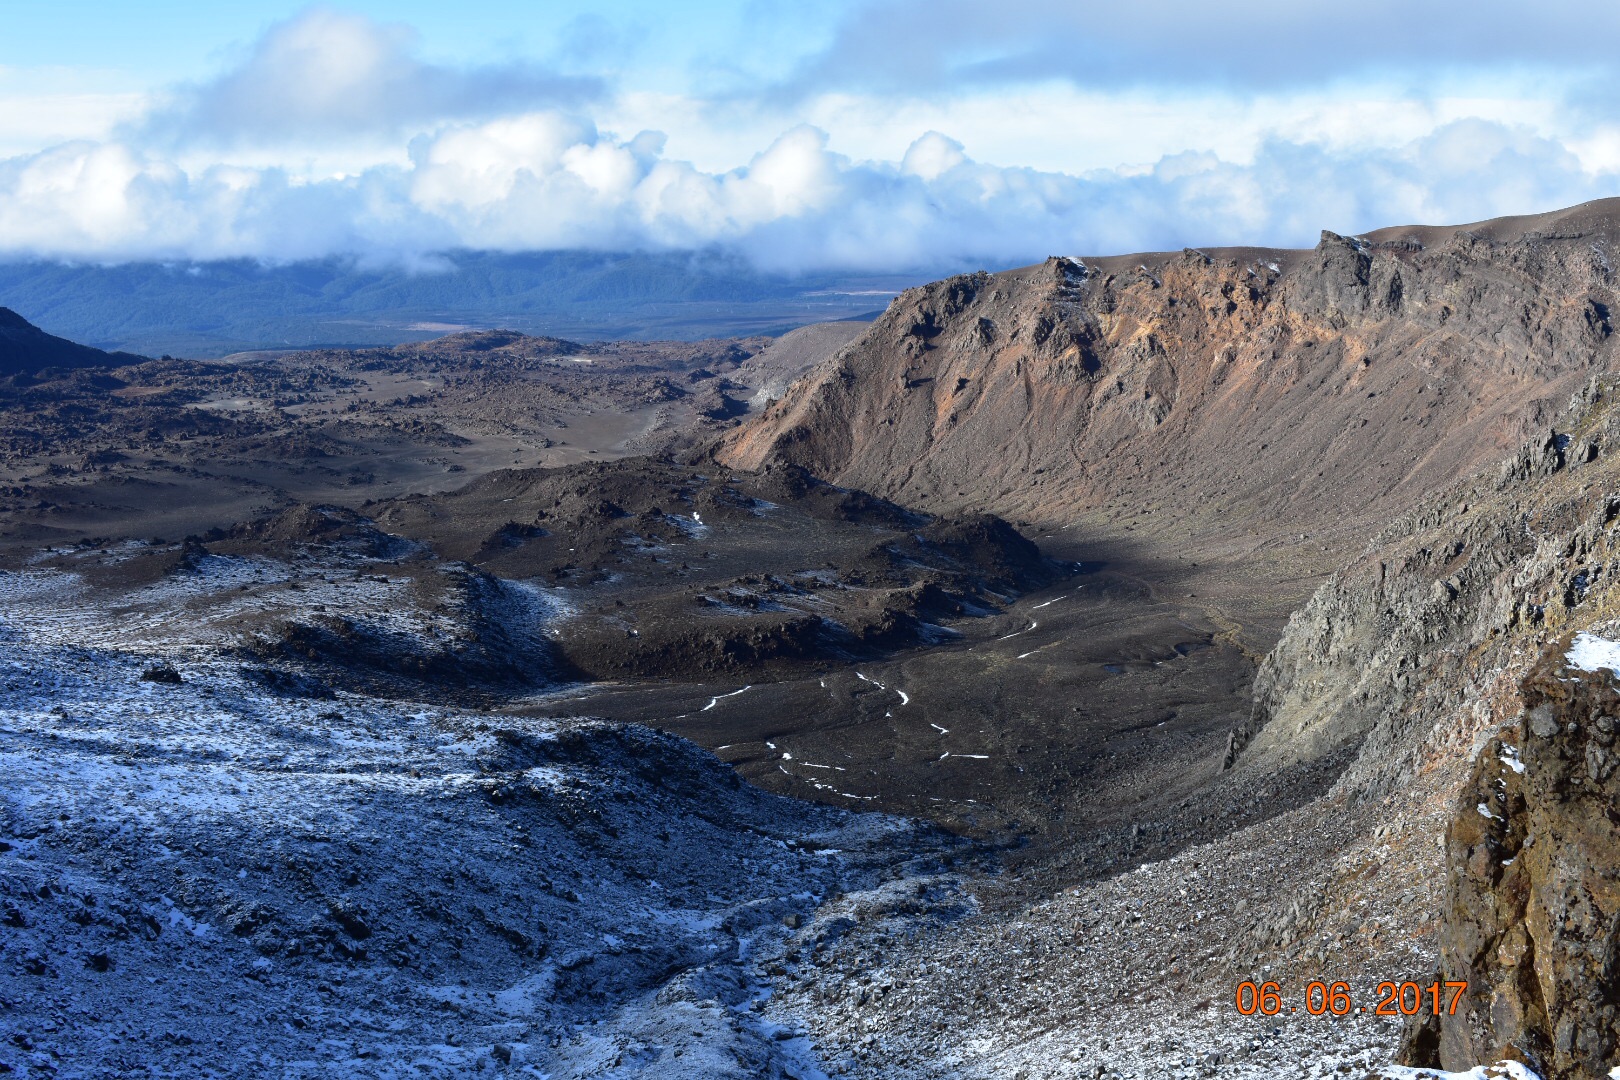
<point>1503,1070</point>
<point>1589,652</point>
<point>208,878</point>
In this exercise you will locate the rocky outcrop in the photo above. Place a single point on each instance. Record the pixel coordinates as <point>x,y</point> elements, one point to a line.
<point>1532,917</point>
<point>675,572</point>
<point>1414,648</point>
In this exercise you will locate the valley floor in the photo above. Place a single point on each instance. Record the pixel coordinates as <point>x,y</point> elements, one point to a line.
<point>218,877</point>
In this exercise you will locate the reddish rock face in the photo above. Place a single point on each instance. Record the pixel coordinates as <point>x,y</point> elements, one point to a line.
<point>1227,393</point>
<point>1532,919</point>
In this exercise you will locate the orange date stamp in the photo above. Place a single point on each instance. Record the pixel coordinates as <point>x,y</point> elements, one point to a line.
<point>1335,999</point>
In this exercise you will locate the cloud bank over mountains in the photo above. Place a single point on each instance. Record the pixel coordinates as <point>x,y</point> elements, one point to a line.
<point>332,136</point>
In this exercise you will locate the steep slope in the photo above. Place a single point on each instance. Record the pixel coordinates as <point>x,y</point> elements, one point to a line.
<point>1361,405</point>
<point>1435,660</point>
<point>25,349</point>
<point>1230,398</point>
<point>772,370</point>
<point>1446,608</point>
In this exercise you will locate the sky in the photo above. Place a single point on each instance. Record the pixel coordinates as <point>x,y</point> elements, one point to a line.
<point>874,135</point>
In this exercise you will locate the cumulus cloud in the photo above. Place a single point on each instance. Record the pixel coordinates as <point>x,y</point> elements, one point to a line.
<point>514,159</point>
<point>326,73</point>
<point>551,180</point>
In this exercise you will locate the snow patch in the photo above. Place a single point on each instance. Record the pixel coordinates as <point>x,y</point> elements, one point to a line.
<point>1592,653</point>
<point>718,697</point>
<point>1502,1070</point>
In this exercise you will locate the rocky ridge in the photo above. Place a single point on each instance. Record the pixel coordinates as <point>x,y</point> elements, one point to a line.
<point>26,350</point>
<point>1409,659</point>
<point>1236,402</point>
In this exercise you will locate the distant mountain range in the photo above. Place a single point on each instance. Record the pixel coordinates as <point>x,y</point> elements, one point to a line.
<point>213,309</point>
<point>25,349</point>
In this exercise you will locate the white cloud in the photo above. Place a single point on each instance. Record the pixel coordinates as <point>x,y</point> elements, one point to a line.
<point>932,156</point>
<point>45,106</point>
<point>46,119</point>
<point>332,137</point>
<point>550,180</point>
<point>326,73</point>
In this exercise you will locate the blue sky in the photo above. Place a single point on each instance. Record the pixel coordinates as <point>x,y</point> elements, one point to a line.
<point>164,40</point>
<point>871,134</point>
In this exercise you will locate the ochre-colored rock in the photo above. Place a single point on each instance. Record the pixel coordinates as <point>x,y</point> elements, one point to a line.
<point>1228,394</point>
<point>1532,918</point>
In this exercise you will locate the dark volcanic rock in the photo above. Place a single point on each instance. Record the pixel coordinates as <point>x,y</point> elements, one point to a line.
<point>695,570</point>
<point>304,526</point>
<point>494,642</point>
<point>1532,919</point>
